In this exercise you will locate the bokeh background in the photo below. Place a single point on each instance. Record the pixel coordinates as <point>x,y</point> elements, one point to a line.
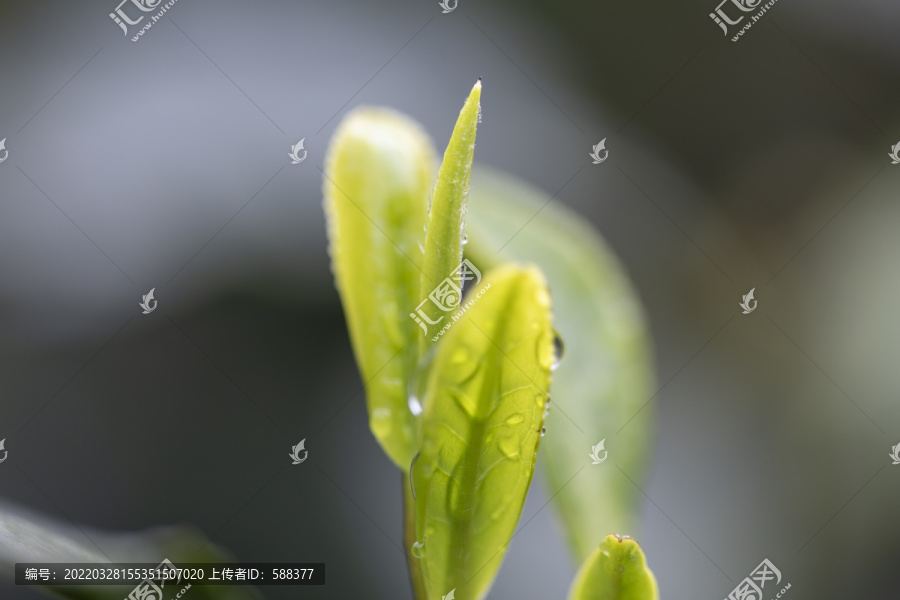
<point>163,164</point>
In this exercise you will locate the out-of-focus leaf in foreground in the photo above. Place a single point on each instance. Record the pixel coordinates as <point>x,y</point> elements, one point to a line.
<point>604,379</point>
<point>443,241</point>
<point>26,537</point>
<point>378,175</point>
<point>616,570</point>
<point>486,394</point>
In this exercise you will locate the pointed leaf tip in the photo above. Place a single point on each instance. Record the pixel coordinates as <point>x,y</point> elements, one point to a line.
<point>446,216</point>
<point>616,570</point>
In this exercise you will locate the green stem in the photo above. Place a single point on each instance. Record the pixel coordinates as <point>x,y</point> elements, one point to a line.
<point>409,537</point>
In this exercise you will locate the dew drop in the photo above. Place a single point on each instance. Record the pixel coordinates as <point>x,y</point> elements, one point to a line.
<point>559,349</point>
<point>515,419</point>
<point>543,431</point>
<point>465,239</point>
<point>421,247</point>
<point>418,549</point>
<point>510,447</point>
<point>459,357</point>
<point>415,385</point>
<point>464,401</point>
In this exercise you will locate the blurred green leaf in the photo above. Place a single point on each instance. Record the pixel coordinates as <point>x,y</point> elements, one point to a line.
<point>605,377</point>
<point>26,537</point>
<point>378,175</point>
<point>615,571</point>
<point>483,415</point>
<point>443,240</point>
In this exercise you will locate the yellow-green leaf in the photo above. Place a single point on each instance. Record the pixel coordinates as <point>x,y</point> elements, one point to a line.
<point>378,175</point>
<point>486,393</point>
<point>604,380</point>
<point>616,570</point>
<point>443,240</point>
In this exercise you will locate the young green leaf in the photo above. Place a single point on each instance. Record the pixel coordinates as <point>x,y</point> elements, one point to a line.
<point>486,393</point>
<point>615,571</point>
<point>604,380</point>
<point>443,240</point>
<point>378,175</point>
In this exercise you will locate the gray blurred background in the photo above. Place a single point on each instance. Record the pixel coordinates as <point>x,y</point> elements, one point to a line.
<point>163,164</point>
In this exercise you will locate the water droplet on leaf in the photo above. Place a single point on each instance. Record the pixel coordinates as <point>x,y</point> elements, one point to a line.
<point>465,402</point>
<point>510,447</point>
<point>415,386</point>
<point>559,349</point>
<point>515,419</point>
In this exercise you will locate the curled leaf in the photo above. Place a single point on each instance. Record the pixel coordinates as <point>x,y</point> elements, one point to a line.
<point>486,394</point>
<point>379,171</point>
